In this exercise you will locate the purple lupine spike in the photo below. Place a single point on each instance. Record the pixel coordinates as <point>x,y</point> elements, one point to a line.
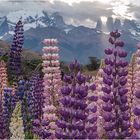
<point>21,92</point>
<point>72,122</point>
<point>116,106</point>
<point>16,49</point>
<point>25,101</point>
<point>31,104</point>
<point>38,97</point>
<point>3,133</point>
<point>37,92</point>
<point>7,110</point>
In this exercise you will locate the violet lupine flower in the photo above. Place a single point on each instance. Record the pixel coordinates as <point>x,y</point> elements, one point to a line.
<point>35,103</point>
<point>136,96</point>
<point>7,109</point>
<point>52,84</point>
<point>1,53</point>
<point>3,124</point>
<point>116,115</point>
<point>3,78</point>
<point>72,122</point>
<point>38,97</point>
<point>16,49</point>
<point>21,89</point>
<point>38,103</point>
<point>21,95</point>
<point>27,91</point>
<point>27,113</point>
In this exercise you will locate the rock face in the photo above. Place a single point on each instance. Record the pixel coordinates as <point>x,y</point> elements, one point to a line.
<point>99,25</point>
<point>4,28</point>
<point>110,24</point>
<point>117,24</point>
<point>74,42</point>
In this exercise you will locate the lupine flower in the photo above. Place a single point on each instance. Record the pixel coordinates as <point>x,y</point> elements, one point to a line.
<point>99,84</point>
<point>16,124</point>
<point>3,77</point>
<point>35,100</point>
<point>116,115</point>
<point>131,89</point>
<point>31,98</point>
<point>21,92</point>
<point>72,122</point>
<point>26,101</point>
<point>92,108</point>
<point>7,108</point>
<point>135,95</point>
<point>3,124</point>
<point>21,89</point>
<point>16,49</point>
<point>38,97</point>
<point>52,83</point>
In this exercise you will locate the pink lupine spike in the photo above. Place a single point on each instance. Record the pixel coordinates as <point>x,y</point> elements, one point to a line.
<point>134,93</point>
<point>99,84</point>
<point>3,77</point>
<point>52,77</point>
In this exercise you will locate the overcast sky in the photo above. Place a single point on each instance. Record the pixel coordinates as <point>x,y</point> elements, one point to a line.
<point>78,12</point>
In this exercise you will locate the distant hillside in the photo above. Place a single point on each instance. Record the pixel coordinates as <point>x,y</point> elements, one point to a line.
<point>30,60</point>
<point>26,54</point>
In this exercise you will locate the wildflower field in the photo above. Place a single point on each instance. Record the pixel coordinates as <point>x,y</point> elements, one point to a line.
<point>55,105</point>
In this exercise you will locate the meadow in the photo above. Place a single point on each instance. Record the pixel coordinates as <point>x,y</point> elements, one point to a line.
<point>53,103</point>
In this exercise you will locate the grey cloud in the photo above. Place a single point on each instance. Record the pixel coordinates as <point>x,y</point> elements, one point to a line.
<point>135,10</point>
<point>81,12</point>
<point>78,13</point>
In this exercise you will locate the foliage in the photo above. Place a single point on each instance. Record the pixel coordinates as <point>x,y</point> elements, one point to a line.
<point>94,64</point>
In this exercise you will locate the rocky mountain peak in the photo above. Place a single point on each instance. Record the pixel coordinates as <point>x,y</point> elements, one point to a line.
<point>4,28</point>
<point>109,24</point>
<point>117,24</point>
<point>99,24</point>
<point>58,20</point>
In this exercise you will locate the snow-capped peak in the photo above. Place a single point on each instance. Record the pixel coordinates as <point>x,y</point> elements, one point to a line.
<point>16,15</point>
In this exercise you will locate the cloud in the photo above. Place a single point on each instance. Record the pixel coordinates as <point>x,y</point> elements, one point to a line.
<point>81,12</point>
<point>135,10</point>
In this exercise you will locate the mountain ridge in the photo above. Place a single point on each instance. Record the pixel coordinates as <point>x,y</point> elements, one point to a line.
<point>78,42</point>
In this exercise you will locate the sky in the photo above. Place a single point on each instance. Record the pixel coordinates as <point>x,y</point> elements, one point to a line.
<point>77,12</point>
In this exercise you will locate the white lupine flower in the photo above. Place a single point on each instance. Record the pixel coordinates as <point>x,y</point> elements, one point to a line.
<point>16,125</point>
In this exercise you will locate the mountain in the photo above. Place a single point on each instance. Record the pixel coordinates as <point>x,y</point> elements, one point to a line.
<point>4,26</point>
<point>110,24</point>
<point>74,41</point>
<point>117,24</point>
<point>26,54</point>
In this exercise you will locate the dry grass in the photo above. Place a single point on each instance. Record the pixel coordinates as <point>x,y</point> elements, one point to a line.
<point>92,73</point>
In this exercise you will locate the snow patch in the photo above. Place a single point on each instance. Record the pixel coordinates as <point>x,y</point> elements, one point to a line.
<point>30,25</point>
<point>11,32</point>
<point>107,33</point>
<point>67,30</point>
